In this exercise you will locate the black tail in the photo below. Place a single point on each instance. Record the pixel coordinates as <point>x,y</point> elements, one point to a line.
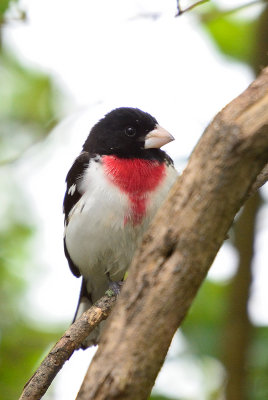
<point>84,301</point>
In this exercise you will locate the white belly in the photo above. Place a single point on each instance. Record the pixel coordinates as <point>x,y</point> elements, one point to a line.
<point>100,237</point>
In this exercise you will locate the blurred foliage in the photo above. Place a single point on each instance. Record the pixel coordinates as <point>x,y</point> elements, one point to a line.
<point>28,97</point>
<point>4,5</point>
<point>243,38</point>
<point>258,365</point>
<point>27,113</point>
<point>207,313</point>
<point>21,342</point>
<point>204,329</point>
<point>158,397</point>
<point>234,38</point>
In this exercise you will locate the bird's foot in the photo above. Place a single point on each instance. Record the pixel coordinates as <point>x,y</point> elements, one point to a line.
<point>116,287</point>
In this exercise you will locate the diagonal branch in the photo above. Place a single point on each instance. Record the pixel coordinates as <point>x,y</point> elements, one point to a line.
<point>179,248</point>
<point>37,386</point>
<point>174,258</point>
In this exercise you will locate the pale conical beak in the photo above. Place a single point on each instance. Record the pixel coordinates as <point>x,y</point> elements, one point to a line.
<point>157,138</point>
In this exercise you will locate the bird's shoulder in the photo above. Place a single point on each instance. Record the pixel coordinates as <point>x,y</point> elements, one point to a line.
<point>72,194</point>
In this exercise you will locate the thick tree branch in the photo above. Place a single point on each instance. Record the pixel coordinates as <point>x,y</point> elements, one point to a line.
<point>37,386</point>
<point>179,248</point>
<point>194,200</point>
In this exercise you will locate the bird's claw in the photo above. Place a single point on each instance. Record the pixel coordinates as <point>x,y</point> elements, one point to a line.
<point>116,287</point>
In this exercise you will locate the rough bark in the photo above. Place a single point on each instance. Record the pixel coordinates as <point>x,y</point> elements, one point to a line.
<point>179,248</point>
<point>261,179</point>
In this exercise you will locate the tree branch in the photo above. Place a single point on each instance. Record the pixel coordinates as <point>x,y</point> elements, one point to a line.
<point>262,178</point>
<point>179,248</point>
<point>174,257</point>
<point>37,386</point>
<point>180,11</point>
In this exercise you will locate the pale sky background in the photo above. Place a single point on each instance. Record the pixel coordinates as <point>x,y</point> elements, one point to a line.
<point>104,54</point>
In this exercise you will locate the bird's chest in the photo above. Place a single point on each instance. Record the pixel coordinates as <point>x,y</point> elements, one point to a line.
<point>118,195</point>
<point>136,180</point>
<point>119,199</point>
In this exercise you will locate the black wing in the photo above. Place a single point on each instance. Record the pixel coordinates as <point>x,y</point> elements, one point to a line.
<point>72,196</point>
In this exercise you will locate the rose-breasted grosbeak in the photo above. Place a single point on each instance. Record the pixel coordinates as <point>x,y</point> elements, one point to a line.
<point>114,188</point>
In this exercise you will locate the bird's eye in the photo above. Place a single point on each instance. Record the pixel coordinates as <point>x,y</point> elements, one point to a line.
<point>130,131</point>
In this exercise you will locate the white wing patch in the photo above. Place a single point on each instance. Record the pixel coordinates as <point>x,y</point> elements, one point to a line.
<point>72,189</point>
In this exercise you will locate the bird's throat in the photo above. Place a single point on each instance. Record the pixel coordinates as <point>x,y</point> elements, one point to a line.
<point>137,178</point>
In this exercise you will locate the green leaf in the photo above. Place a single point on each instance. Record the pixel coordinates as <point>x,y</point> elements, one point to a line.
<point>22,344</point>
<point>235,38</point>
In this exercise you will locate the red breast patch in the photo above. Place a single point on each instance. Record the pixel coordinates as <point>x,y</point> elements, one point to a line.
<point>135,177</point>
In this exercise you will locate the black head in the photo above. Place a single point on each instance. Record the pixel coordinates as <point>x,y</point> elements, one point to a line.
<point>126,132</point>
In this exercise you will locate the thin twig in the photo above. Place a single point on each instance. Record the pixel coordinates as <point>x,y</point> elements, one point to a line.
<point>37,386</point>
<point>218,13</point>
<point>180,11</point>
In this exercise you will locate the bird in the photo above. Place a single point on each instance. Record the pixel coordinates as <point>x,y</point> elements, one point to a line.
<point>114,188</point>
